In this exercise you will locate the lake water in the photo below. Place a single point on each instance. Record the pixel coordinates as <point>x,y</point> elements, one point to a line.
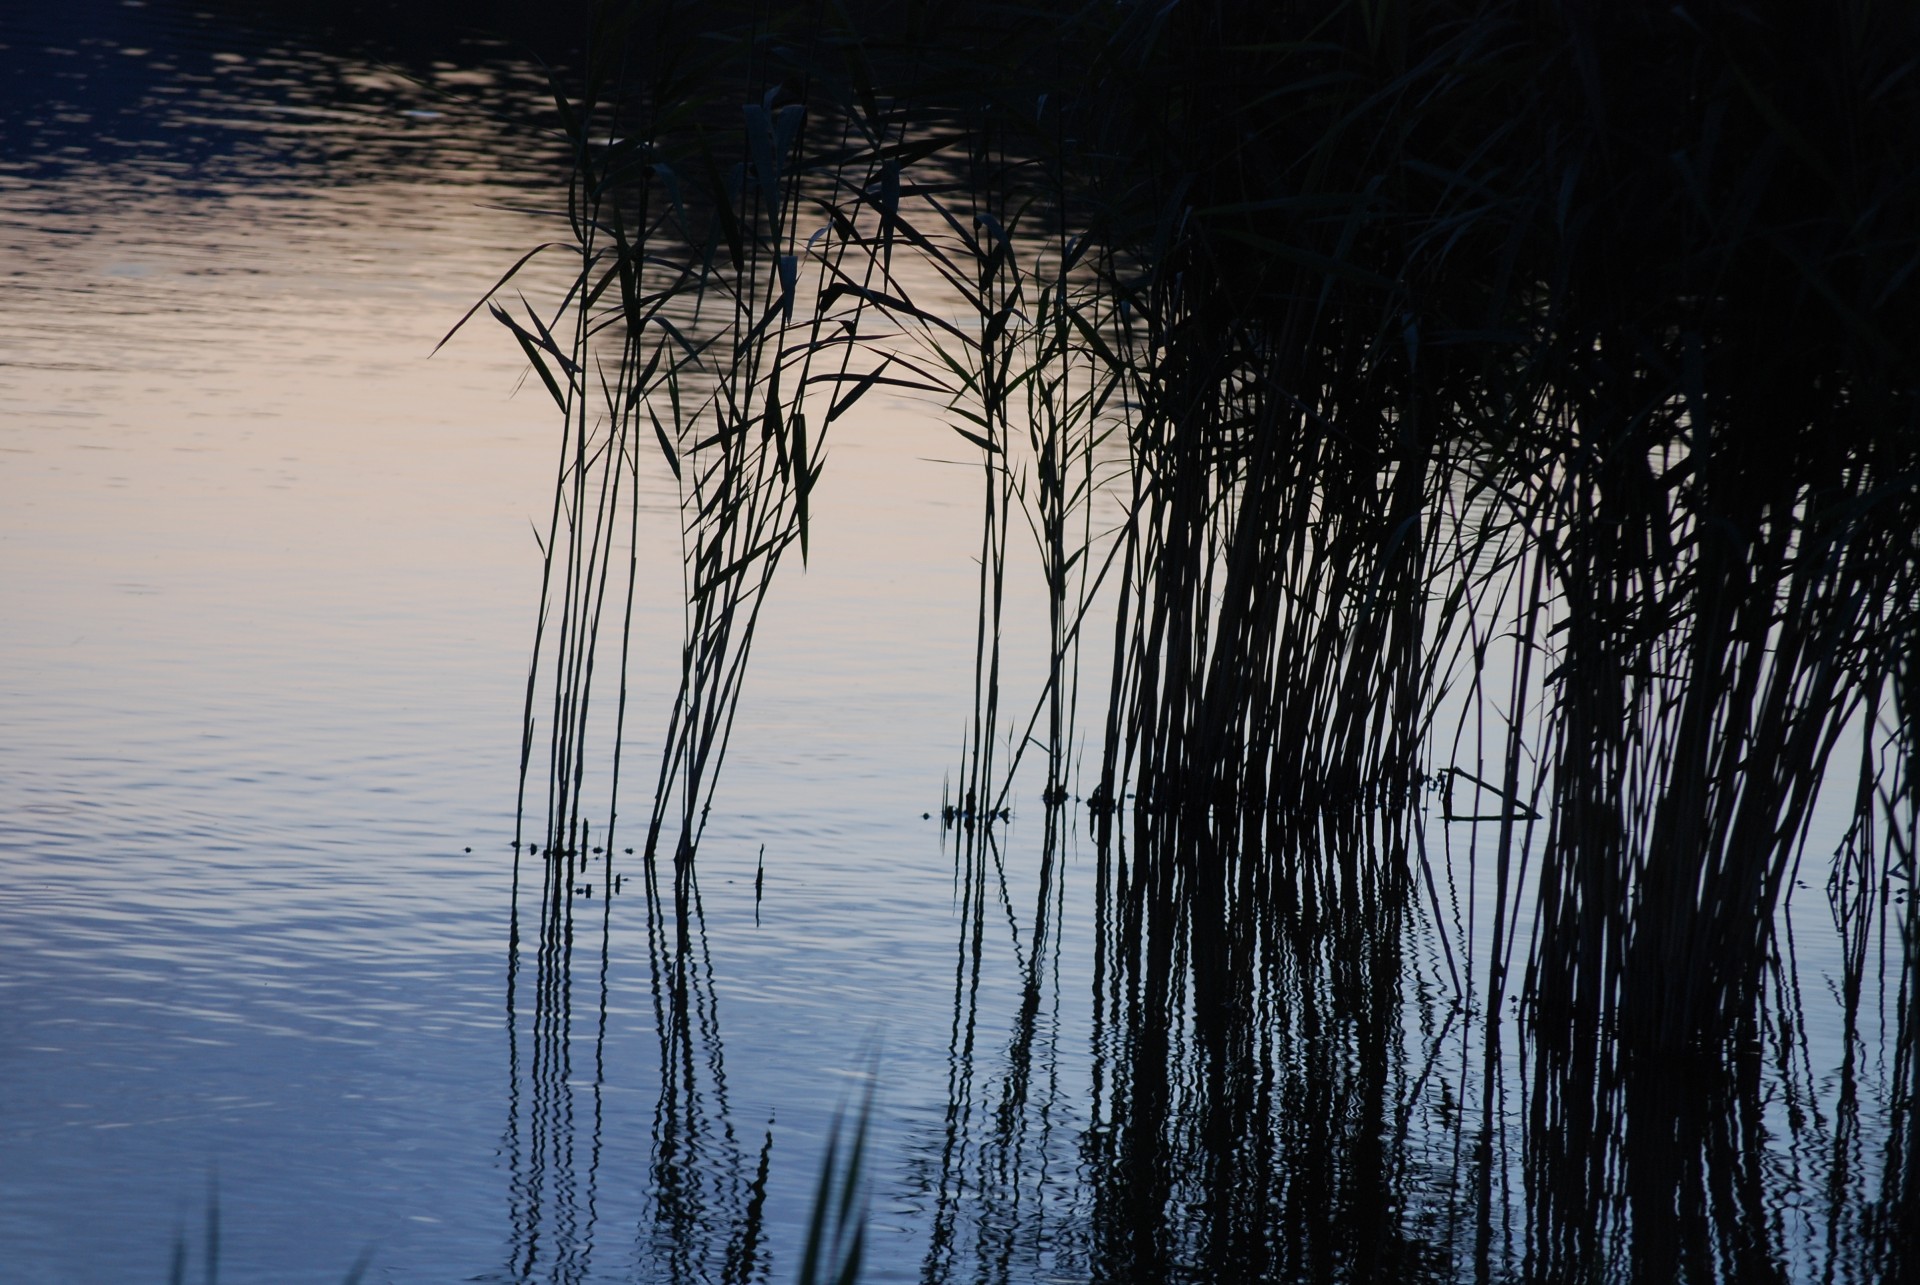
<point>269,582</point>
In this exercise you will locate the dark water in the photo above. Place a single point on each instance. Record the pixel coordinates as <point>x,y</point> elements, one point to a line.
<point>268,586</point>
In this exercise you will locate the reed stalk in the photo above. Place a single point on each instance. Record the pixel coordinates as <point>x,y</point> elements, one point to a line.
<point>1508,396</point>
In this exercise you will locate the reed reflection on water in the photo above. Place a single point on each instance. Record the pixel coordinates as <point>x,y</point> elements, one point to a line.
<point>1283,1078</point>
<point>1427,652</point>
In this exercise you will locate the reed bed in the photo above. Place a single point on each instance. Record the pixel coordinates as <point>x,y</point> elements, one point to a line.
<point>1507,399</point>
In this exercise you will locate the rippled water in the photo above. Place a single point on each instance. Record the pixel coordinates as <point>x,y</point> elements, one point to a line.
<point>268,581</point>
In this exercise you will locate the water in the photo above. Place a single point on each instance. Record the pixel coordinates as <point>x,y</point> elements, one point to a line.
<point>269,579</point>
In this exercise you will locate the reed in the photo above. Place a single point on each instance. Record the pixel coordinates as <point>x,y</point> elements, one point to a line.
<point>1444,326</point>
<point>1501,392</point>
<point>181,1258</point>
<point>708,325</point>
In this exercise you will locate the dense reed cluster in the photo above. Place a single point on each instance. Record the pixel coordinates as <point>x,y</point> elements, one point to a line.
<point>1518,397</point>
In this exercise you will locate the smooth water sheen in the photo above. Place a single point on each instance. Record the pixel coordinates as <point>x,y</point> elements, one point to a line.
<point>269,579</point>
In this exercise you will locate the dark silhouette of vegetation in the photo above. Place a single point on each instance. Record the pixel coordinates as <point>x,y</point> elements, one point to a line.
<point>1516,396</point>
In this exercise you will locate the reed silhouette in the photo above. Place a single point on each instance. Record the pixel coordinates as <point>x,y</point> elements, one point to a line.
<point>1512,398</point>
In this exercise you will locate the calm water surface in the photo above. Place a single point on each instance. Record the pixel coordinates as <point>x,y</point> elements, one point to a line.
<point>268,580</point>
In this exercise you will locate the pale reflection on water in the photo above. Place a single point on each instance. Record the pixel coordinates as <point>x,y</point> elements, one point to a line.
<point>268,577</point>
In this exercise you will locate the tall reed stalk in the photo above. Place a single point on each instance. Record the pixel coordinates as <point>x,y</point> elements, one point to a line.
<point>712,325</point>
<point>1545,368</point>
